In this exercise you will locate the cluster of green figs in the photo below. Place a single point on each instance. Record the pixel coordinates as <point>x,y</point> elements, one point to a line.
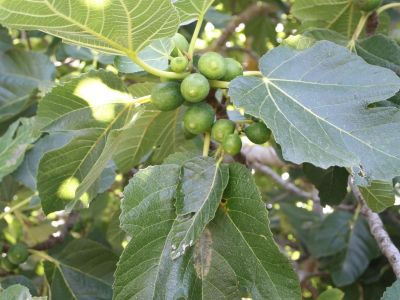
<point>15,255</point>
<point>194,90</point>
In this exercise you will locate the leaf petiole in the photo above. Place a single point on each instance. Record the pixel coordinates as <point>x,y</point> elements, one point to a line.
<point>207,143</point>
<point>386,7</point>
<point>157,72</point>
<point>195,36</point>
<point>363,20</point>
<point>219,84</point>
<point>15,207</point>
<point>252,73</point>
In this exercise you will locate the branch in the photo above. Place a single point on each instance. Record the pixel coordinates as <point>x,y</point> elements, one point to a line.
<point>290,187</point>
<point>378,231</point>
<point>52,241</point>
<point>254,10</point>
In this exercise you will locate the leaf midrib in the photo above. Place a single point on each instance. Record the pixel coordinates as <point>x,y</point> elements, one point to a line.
<point>323,120</point>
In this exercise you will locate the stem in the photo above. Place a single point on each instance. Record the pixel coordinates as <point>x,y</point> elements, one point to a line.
<point>252,73</point>
<point>195,36</point>
<point>207,142</point>
<point>358,31</point>
<point>219,84</point>
<point>386,7</point>
<point>15,207</point>
<point>244,122</point>
<point>379,232</point>
<point>44,256</point>
<point>155,71</point>
<point>142,100</point>
<point>218,151</point>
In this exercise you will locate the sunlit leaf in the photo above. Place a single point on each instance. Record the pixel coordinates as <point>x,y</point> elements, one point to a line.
<point>155,55</point>
<point>331,294</point>
<point>154,136</point>
<point>114,27</point>
<point>338,15</point>
<point>190,10</point>
<point>96,107</point>
<point>379,195</point>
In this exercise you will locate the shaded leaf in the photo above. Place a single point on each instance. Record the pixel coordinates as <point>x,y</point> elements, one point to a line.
<point>5,40</point>
<point>316,104</point>
<point>18,292</point>
<point>13,145</point>
<point>82,270</point>
<point>377,50</point>
<point>331,183</point>
<point>361,249</point>
<point>27,172</point>
<point>332,235</point>
<point>19,279</point>
<point>381,51</point>
<point>21,73</point>
<point>92,24</point>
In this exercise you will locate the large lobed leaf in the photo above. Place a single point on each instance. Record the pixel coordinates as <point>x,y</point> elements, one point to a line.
<point>377,50</point>
<point>339,15</point>
<point>234,257</point>
<point>155,55</point>
<point>114,27</point>
<point>190,10</point>
<point>316,103</point>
